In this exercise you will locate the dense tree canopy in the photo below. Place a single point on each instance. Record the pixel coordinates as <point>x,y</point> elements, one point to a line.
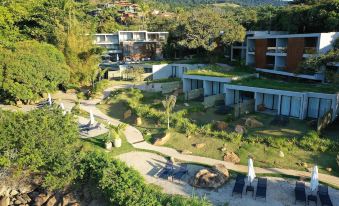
<point>42,141</point>
<point>30,69</point>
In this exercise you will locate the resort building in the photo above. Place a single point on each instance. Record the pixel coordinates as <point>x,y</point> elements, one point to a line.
<point>282,54</point>
<point>238,49</point>
<point>132,45</point>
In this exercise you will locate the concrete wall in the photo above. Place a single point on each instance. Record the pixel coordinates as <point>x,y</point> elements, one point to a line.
<point>193,94</point>
<point>165,87</point>
<point>210,100</point>
<point>164,71</point>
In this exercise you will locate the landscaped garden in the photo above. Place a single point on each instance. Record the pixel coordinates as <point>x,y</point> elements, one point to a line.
<point>204,132</point>
<point>219,71</point>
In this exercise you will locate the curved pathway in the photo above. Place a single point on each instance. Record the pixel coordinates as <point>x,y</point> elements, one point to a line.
<point>135,138</point>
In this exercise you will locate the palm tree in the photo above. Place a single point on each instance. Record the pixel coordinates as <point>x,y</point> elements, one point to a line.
<point>117,131</point>
<point>169,104</point>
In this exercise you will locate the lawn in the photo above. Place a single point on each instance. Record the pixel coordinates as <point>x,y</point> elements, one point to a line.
<point>288,85</point>
<point>97,143</point>
<point>218,71</point>
<point>265,155</point>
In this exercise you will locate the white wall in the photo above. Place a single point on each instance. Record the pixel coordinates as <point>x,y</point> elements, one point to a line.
<point>164,71</point>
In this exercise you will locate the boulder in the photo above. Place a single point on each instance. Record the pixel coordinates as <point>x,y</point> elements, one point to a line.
<point>329,169</point>
<point>4,190</point>
<point>163,140</point>
<point>13,193</point>
<point>208,179</point>
<point>138,121</point>
<point>186,152</point>
<point>19,200</point>
<point>220,125</point>
<point>222,170</point>
<point>4,201</point>
<point>231,157</point>
<point>199,145</point>
<point>253,123</point>
<point>41,199</point>
<point>51,201</point>
<point>127,114</point>
<point>240,129</point>
<point>281,154</point>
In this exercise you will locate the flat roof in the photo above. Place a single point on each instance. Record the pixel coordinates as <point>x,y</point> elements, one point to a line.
<point>219,71</point>
<point>288,86</point>
<point>267,36</point>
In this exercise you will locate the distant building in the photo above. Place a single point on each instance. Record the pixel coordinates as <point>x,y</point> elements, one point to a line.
<point>132,45</point>
<point>282,54</point>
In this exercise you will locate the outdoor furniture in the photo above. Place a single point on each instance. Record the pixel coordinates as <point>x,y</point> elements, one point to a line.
<point>239,184</point>
<point>325,199</point>
<point>299,190</point>
<point>261,188</point>
<point>312,198</point>
<point>88,128</point>
<point>180,172</point>
<point>167,171</point>
<point>250,188</point>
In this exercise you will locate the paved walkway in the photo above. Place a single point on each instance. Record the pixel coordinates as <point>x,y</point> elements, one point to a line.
<point>135,138</point>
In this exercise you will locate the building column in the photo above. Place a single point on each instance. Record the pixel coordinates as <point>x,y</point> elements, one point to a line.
<point>186,85</point>
<point>279,104</point>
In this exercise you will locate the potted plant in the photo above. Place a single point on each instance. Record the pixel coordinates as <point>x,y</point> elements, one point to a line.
<point>108,141</point>
<point>116,133</point>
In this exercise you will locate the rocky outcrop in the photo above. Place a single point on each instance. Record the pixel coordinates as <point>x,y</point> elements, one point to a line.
<point>163,140</point>
<point>211,178</point>
<point>231,157</point>
<point>240,129</point>
<point>199,145</point>
<point>253,123</point>
<point>221,126</point>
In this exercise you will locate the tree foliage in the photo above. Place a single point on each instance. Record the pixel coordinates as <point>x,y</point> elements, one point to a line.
<point>31,69</point>
<point>42,141</point>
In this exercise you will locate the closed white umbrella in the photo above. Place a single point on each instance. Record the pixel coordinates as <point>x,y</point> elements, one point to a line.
<point>314,179</point>
<point>251,173</point>
<point>91,117</point>
<point>49,99</point>
<point>63,108</point>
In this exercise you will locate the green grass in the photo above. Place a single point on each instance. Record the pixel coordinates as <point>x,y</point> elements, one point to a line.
<point>166,80</point>
<point>98,144</point>
<point>265,156</point>
<point>288,86</point>
<point>218,71</point>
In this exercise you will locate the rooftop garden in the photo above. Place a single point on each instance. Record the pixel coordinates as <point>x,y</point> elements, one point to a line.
<point>219,71</point>
<point>288,85</point>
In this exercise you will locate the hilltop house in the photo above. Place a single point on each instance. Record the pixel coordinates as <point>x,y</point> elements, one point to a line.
<point>132,45</point>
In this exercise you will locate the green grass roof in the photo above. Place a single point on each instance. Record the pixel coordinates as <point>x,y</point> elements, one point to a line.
<point>218,71</point>
<point>288,86</point>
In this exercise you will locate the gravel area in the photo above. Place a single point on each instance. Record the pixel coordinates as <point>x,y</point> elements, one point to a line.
<point>280,191</point>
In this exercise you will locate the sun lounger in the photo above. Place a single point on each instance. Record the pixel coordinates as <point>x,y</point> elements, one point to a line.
<point>299,190</point>
<point>167,171</point>
<point>87,128</point>
<point>239,185</point>
<point>261,188</point>
<point>325,199</point>
<point>180,172</point>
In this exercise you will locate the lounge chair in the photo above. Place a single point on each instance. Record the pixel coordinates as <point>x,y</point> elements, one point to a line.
<point>325,199</point>
<point>87,128</point>
<point>239,184</point>
<point>261,188</point>
<point>180,172</point>
<point>167,171</point>
<point>299,190</point>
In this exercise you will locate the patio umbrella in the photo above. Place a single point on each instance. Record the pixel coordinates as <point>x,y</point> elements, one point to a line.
<point>91,117</point>
<point>117,57</point>
<point>49,99</point>
<point>251,173</point>
<point>314,179</point>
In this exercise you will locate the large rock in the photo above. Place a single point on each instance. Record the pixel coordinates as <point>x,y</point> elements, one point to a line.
<point>220,125</point>
<point>231,157</point>
<point>138,121</point>
<point>222,170</point>
<point>199,145</point>
<point>51,201</point>
<point>253,123</point>
<point>206,178</point>
<point>41,199</point>
<point>4,201</point>
<point>127,114</point>
<point>240,129</point>
<point>163,140</point>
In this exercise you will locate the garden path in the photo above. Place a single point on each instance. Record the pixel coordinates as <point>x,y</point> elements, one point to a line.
<point>135,138</point>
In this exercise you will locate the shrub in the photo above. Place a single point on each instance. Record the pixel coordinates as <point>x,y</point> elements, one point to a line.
<point>125,186</point>
<point>312,142</point>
